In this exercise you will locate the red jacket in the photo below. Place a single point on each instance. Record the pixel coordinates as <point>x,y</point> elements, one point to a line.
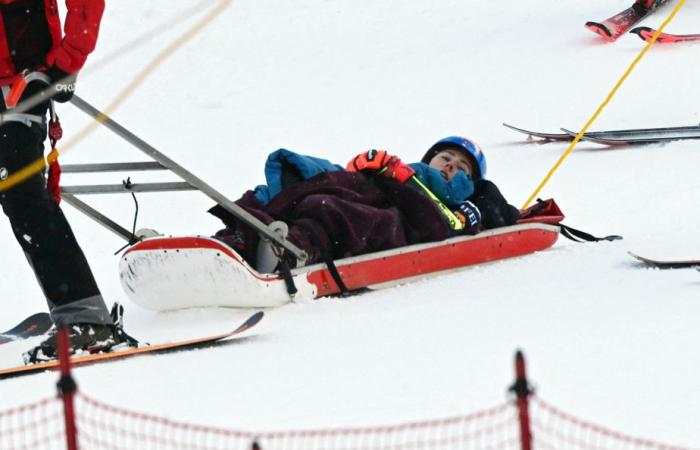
<point>31,38</point>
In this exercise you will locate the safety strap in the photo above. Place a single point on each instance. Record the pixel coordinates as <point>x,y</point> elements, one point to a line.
<point>328,259</point>
<point>581,236</point>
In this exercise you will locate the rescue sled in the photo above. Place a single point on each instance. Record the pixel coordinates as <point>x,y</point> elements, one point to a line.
<point>194,271</point>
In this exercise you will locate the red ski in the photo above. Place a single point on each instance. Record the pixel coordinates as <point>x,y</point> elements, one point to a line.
<point>613,27</point>
<point>646,33</point>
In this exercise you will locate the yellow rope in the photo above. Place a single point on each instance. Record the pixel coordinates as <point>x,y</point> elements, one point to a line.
<point>39,164</point>
<point>604,104</point>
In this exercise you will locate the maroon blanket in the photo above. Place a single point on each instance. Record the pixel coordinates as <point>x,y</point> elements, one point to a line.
<point>340,214</point>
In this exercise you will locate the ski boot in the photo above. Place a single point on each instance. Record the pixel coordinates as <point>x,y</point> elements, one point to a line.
<point>84,337</point>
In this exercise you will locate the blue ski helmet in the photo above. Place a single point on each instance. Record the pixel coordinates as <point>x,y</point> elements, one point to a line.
<point>470,148</point>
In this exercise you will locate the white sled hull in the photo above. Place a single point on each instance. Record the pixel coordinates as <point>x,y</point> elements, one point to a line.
<point>172,273</point>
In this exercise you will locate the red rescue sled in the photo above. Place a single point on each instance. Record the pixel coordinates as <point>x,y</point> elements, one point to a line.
<point>194,271</point>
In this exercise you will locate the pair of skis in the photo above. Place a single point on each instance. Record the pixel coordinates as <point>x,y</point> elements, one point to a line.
<point>613,27</point>
<point>40,323</point>
<point>620,137</point>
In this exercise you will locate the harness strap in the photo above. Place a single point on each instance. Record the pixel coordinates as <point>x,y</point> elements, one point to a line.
<point>26,119</point>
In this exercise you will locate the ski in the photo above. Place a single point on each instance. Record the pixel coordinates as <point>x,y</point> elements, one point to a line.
<point>613,27</point>
<point>34,325</point>
<point>188,344</point>
<point>646,33</point>
<point>641,136</point>
<point>620,137</point>
<point>667,264</point>
<point>546,136</point>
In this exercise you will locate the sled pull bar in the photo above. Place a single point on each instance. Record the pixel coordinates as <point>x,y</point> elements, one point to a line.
<point>97,216</point>
<point>111,167</point>
<point>121,188</point>
<point>180,171</point>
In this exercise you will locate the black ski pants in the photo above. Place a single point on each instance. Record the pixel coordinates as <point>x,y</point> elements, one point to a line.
<point>43,231</point>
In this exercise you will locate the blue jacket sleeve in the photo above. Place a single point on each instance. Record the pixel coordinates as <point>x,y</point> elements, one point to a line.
<point>452,192</point>
<point>307,166</point>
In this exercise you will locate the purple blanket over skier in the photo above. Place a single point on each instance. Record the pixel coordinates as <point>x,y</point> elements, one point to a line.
<point>342,214</point>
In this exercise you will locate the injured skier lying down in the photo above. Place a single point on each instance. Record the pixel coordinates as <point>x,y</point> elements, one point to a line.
<point>376,203</point>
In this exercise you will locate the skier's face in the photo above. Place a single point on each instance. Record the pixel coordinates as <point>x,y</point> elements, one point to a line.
<point>449,162</point>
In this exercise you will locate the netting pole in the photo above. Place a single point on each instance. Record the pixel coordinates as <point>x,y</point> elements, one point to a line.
<point>521,388</point>
<point>67,389</point>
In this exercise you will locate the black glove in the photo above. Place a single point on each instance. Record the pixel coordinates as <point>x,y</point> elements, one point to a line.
<point>469,214</point>
<point>64,84</point>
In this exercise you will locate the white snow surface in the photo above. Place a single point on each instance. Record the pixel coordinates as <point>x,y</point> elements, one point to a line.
<point>605,339</point>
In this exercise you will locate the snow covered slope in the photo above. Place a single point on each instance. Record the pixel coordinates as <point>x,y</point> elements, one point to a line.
<point>605,339</point>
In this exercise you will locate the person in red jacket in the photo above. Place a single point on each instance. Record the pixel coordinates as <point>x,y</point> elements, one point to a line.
<point>31,41</point>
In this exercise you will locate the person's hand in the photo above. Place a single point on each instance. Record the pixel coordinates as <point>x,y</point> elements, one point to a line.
<point>397,170</point>
<point>383,164</point>
<point>369,160</point>
<point>63,84</point>
<point>469,214</point>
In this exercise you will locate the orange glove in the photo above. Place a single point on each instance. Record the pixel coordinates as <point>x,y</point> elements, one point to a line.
<point>385,165</point>
<point>369,160</point>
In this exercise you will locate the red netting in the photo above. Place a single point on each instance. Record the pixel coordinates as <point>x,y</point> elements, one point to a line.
<point>553,429</point>
<point>101,426</point>
<point>36,426</point>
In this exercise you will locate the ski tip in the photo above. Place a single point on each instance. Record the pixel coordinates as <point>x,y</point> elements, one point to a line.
<point>640,31</point>
<point>645,33</point>
<point>645,261</point>
<point>252,320</point>
<point>601,30</point>
<point>634,255</point>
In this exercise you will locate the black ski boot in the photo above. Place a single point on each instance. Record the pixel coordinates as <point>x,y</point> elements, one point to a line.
<point>84,337</point>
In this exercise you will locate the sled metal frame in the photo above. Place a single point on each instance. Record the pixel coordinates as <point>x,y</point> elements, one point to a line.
<point>160,162</point>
